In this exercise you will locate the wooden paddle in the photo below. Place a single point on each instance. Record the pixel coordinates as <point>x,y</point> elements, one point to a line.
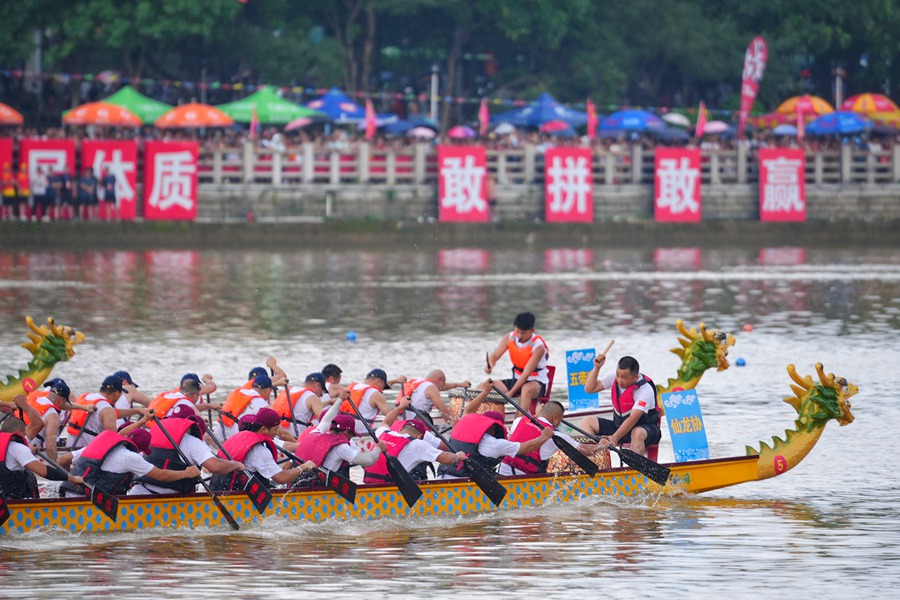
<point>401,477</point>
<point>583,462</point>
<point>641,464</point>
<point>334,481</point>
<point>483,478</point>
<point>252,485</point>
<point>4,510</point>
<point>106,503</point>
<point>212,494</point>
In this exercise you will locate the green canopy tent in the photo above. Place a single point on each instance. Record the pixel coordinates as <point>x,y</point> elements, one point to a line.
<point>148,109</point>
<point>270,108</point>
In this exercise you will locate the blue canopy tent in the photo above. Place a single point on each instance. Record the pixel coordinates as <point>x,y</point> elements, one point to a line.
<point>542,110</point>
<point>631,120</point>
<point>339,107</point>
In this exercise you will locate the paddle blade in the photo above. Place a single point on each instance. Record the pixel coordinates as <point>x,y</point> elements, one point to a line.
<point>405,483</point>
<point>224,511</point>
<point>258,492</point>
<point>107,503</point>
<point>643,465</point>
<point>485,480</point>
<point>4,511</point>
<point>340,485</point>
<point>583,462</point>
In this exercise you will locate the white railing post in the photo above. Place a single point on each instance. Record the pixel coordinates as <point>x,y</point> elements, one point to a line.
<point>391,168</point>
<point>742,163</point>
<point>502,175</point>
<point>277,167</point>
<point>637,163</point>
<point>309,162</point>
<point>530,152</point>
<point>363,158</point>
<point>846,163</point>
<point>217,157</point>
<point>419,163</point>
<point>249,161</point>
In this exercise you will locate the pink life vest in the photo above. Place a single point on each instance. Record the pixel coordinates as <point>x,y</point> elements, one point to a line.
<point>316,445</point>
<point>378,473</point>
<point>527,463</point>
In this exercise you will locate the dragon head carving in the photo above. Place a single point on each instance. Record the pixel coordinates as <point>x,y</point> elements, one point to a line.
<point>700,350</point>
<point>48,345</point>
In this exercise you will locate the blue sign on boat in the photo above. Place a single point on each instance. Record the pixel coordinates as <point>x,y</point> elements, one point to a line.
<point>686,425</point>
<point>578,364</point>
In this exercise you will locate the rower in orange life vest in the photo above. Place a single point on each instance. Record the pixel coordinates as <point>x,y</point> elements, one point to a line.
<point>114,458</point>
<point>187,429</point>
<point>483,439</point>
<point>245,401</point>
<point>187,394</point>
<point>636,415</point>
<point>257,451</point>
<point>82,428</point>
<point>43,413</point>
<point>328,443</point>
<point>426,393</point>
<point>306,402</point>
<point>18,466</point>
<point>368,397</point>
<point>237,398</point>
<point>536,461</point>
<point>528,353</point>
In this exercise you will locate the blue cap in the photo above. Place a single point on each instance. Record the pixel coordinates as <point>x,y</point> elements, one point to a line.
<point>262,381</point>
<point>379,374</point>
<point>256,372</point>
<point>125,377</point>
<point>317,377</point>
<point>191,377</point>
<point>59,386</point>
<point>113,383</point>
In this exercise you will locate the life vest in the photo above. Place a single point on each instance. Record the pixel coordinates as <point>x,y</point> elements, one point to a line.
<point>466,436</point>
<point>520,355</point>
<point>164,402</point>
<point>238,446</point>
<point>15,484</point>
<point>526,431</point>
<point>359,392</point>
<point>89,464</point>
<point>378,472</point>
<point>316,445</point>
<point>80,417</point>
<point>23,182</point>
<point>299,396</point>
<point>39,402</point>
<point>412,385</point>
<point>8,184</point>
<point>623,403</point>
<point>165,456</point>
<point>237,402</point>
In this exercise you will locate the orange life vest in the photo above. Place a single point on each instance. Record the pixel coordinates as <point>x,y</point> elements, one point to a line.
<point>34,399</point>
<point>236,403</point>
<point>80,417</point>
<point>23,182</point>
<point>357,391</point>
<point>7,183</point>
<point>521,355</point>
<point>163,404</point>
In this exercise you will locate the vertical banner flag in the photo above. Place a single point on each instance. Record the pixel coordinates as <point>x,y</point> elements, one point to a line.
<point>782,184</point>
<point>6,151</point>
<point>484,118</point>
<point>568,185</point>
<point>754,67</point>
<point>54,156</point>
<point>371,119</point>
<point>462,183</point>
<point>591,120</point>
<point>121,160</point>
<point>801,124</point>
<point>677,185</point>
<point>254,123</point>
<point>578,364</point>
<point>170,181</point>
<point>686,425</point>
<point>701,120</point>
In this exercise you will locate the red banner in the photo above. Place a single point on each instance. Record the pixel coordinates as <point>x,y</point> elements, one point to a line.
<point>568,185</point>
<point>52,155</point>
<point>782,184</point>
<point>6,152</point>
<point>120,158</point>
<point>170,181</point>
<point>462,184</point>
<point>677,185</point>
<point>754,67</point>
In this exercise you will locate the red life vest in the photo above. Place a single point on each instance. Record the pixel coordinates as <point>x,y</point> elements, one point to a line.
<point>315,446</point>
<point>89,464</point>
<point>378,473</point>
<point>623,403</point>
<point>15,484</point>
<point>298,398</point>
<point>521,355</point>
<point>164,455</point>
<point>526,463</point>
<point>466,436</point>
<point>238,446</point>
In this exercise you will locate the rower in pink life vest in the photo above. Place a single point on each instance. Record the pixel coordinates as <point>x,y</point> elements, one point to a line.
<point>18,465</point>
<point>483,439</point>
<point>636,416</point>
<point>407,442</point>
<point>83,427</point>
<point>114,458</point>
<point>257,451</point>
<point>306,402</point>
<point>187,429</point>
<point>426,393</point>
<point>368,397</point>
<point>328,443</point>
<point>528,353</point>
<point>536,461</point>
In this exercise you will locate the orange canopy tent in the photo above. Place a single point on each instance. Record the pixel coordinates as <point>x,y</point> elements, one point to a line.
<point>194,115</point>
<point>101,113</point>
<point>810,105</point>
<point>867,104</point>
<point>10,116</point>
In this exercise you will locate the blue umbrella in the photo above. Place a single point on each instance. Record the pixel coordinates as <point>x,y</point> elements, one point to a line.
<point>401,126</point>
<point>337,105</point>
<point>632,120</point>
<point>785,129</point>
<point>542,110</point>
<point>838,123</point>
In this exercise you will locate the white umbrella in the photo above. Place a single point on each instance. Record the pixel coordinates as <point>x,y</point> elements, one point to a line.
<point>677,119</point>
<point>421,132</point>
<point>716,127</point>
<point>504,128</point>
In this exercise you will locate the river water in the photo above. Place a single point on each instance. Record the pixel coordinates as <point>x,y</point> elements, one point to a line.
<point>829,527</point>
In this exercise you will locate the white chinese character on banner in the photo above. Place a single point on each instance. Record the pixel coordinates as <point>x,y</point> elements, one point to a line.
<point>117,167</point>
<point>52,161</point>
<point>172,180</point>
<point>677,182</point>
<point>462,184</point>
<point>782,190</point>
<point>569,184</point>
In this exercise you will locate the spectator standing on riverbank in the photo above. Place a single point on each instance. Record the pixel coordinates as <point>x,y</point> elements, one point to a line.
<point>23,187</point>
<point>107,195</point>
<point>8,190</point>
<point>87,195</point>
<point>40,191</point>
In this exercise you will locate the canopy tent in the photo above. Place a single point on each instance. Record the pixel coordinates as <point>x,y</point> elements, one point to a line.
<point>631,120</point>
<point>338,106</point>
<point>542,110</point>
<point>868,103</point>
<point>270,108</point>
<point>147,109</point>
<point>401,126</point>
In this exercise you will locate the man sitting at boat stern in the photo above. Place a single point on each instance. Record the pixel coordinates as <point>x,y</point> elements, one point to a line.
<point>536,461</point>
<point>328,443</point>
<point>187,429</point>
<point>636,417</point>
<point>18,466</point>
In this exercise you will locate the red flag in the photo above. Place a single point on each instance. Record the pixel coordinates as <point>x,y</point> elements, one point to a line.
<point>370,120</point>
<point>754,67</point>
<point>483,118</point>
<point>591,120</point>
<point>701,120</point>
<point>801,124</point>
<point>254,123</point>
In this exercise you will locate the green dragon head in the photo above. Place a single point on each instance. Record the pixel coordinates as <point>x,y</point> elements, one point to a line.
<point>699,352</point>
<point>50,344</point>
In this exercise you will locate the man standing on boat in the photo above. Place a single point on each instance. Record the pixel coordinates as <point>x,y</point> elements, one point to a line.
<point>529,353</point>
<point>328,443</point>
<point>83,429</point>
<point>426,393</point>
<point>368,397</point>
<point>18,466</point>
<point>306,402</point>
<point>636,418</point>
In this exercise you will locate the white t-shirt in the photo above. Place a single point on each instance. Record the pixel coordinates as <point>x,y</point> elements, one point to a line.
<point>122,402</point>
<point>260,460</point>
<point>415,452</point>
<point>548,448</point>
<point>120,460</point>
<point>644,398</point>
<point>18,456</point>
<point>197,453</point>
<point>497,448</point>
<point>337,455</point>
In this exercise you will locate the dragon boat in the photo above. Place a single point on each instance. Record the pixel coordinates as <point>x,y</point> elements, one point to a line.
<point>817,401</point>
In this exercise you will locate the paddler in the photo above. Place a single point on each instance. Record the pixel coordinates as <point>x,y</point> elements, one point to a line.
<point>328,443</point>
<point>245,401</point>
<point>82,428</point>
<point>306,401</point>
<point>188,394</point>
<point>131,395</point>
<point>333,387</point>
<point>43,412</point>
<point>368,397</point>
<point>18,465</point>
<point>529,353</point>
<point>426,393</point>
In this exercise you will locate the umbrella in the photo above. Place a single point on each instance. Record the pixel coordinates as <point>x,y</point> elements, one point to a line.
<point>868,103</point>
<point>811,105</point>
<point>671,134</point>
<point>147,109</point>
<point>339,107</point>
<point>101,113</point>
<point>270,108</point>
<point>421,132</point>
<point>381,120</point>
<point>677,119</point>
<point>631,120</point>
<point>194,115</point>
<point>504,128</point>
<point>401,126</point>
<point>716,127</point>
<point>544,109</point>
<point>886,118</point>
<point>840,122</point>
<point>772,120</point>
<point>10,116</point>
<point>461,132</point>
<point>785,130</point>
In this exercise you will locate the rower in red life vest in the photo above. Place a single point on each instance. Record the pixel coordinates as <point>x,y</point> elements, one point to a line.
<point>528,353</point>
<point>426,393</point>
<point>328,443</point>
<point>524,430</point>
<point>636,416</point>
<point>114,458</point>
<point>483,439</point>
<point>257,451</point>
<point>306,402</point>
<point>368,397</point>
<point>18,466</point>
<point>83,427</point>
